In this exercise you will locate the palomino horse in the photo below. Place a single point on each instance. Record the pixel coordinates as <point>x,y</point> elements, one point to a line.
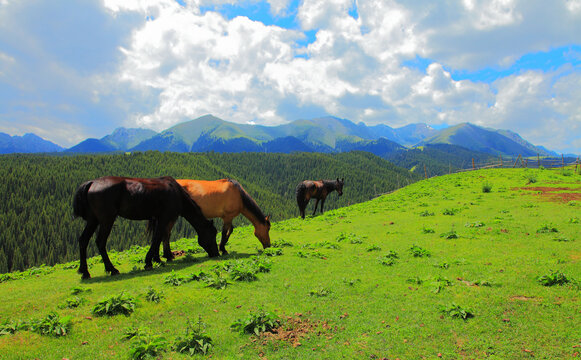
<point>316,189</point>
<point>227,199</point>
<point>161,200</point>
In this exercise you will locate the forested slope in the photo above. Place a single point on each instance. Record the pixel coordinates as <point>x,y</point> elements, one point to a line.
<point>36,192</point>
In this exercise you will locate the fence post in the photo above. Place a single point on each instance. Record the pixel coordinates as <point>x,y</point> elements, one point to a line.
<point>425,171</point>
<point>473,168</point>
<point>501,162</point>
<point>563,161</point>
<point>538,160</point>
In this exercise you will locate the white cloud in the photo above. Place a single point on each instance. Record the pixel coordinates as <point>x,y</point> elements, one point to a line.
<point>171,63</point>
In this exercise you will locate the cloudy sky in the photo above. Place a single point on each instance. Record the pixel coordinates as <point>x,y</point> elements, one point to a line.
<point>76,69</point>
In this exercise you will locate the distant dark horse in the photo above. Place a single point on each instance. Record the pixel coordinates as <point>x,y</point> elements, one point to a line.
<point>159,200</point>
<point>316,189</point>
<point>227,199</point>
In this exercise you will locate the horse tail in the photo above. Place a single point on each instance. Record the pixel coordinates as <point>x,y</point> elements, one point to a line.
<point>301,192</point>
<point>81,202</point>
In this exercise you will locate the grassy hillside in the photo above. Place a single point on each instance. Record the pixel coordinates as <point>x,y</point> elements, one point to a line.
<point>388,278</point>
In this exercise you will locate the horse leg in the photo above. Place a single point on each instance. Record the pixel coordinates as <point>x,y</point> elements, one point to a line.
<point>322,204</point>
<point>316,203</point>
<point>156,240</point>
<point>102,235</point>
<point>227,230</point>
<point>83,243</point>
<point>167,254</point>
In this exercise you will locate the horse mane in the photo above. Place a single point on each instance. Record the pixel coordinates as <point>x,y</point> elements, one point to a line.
<point>249,203</point>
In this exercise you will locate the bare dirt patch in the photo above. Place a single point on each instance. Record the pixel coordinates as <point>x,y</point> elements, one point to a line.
<point>294,329</point>
<point>555,194</point>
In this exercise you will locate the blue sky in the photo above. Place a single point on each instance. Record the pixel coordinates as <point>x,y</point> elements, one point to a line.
<point>72,70</point>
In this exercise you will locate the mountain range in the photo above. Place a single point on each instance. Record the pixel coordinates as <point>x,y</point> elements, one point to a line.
<point>326,134</point>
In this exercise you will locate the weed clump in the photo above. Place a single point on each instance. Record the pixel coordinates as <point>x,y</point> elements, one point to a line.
<point>153,295</point>
<point>553,278</point>
<point>456,311</point>
<point>115,305</point>
<point>486,187</point>
<point>417,251</point>
<point>196,340</point>
<point>256,323</point>
<point>547,228</point>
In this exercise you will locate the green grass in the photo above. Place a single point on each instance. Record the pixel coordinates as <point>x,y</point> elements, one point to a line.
<point>483,293</point>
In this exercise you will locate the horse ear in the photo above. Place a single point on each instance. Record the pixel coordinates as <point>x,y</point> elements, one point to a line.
<point>338,180</point>
<point>267,218</point>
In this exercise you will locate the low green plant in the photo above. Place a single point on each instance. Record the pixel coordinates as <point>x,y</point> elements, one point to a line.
<point>256,322</point>
<point>573,220</point>
<point>243,271</point>
<point>476,224</point>
<point>76,290</point>
<point>553,278</point>
<point>350,237</point>
<point>118,304</point>
<point>216,281</point>
<point>72,302</point>
<point>547,228</point>
<point>153,295</point>
<point>199,275</point>
<point>351,282</point>
<point>388,259</point>
<point>417,251</point>
<point>272,251</point>
<point>52,325</point>
<point>9,327</point>
<point>327,245</point>
<point>148,346</point>
<point>282,243</point>
<point>175,279</point>
<point>456,311</point>
<point>320,292</point>
<point>132,332</point>
<point>440,283</point>
<point>195,341</point>
<point>562,239</point>
<point>262,263</point>
<point>450,211</point>
<point>416,280</point>
<point>449,235</point>
<point>426,230</point>
<point>486,187</point>
<point>373,248</point>
<point>427,213</point>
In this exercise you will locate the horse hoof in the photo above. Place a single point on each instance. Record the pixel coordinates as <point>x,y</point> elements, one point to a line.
<point>86,276</point>
<point>148,267</point>
<point>114,272</point>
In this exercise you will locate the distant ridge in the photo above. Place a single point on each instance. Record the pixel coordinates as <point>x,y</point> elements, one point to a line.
<point>325,134</point>
<point>121,139</point>
<point>477,138</point>
<point>28,143</point>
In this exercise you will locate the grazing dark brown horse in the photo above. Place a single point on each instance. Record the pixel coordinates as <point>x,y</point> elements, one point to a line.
<point>159,200</point>
<point>226,199</point>
<point>316,189</point>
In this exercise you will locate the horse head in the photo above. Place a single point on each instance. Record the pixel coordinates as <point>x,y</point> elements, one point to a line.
<point>339,186</point>
<point>261,231</point>
<point>207,238</point>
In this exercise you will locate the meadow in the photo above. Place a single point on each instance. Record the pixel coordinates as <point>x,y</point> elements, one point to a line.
<point>481,264</point>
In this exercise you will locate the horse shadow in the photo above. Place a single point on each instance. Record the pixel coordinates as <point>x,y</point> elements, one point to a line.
<point>165,267</point>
